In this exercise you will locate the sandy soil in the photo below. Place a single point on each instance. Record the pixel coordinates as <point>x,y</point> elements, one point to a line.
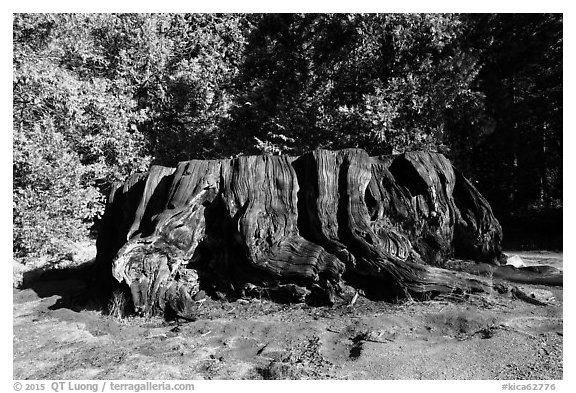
<point>532,258</point>
<point>492,337</point>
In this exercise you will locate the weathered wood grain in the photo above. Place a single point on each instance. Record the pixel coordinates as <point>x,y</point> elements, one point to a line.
<point>296,228</point>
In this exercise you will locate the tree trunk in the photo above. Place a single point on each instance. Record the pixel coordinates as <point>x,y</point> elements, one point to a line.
<point>302,228</point>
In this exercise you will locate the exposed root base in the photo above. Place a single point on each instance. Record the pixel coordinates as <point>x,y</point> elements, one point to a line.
<point>296,229</point>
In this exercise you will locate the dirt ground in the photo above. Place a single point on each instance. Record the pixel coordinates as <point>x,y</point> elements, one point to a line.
<point>490,337</point>
<point>532,258</point>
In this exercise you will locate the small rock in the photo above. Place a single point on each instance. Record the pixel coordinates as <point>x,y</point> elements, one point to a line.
<point>515,261</point>
<point>199,295</point>
<point>540,295</point>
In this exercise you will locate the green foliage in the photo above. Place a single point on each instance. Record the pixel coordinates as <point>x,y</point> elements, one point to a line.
<point>188,94</point>
<point>517,160</point>
<point>382,82</point>
<point>52,205</point>
<point>75,132</point>
<point>99,96</point>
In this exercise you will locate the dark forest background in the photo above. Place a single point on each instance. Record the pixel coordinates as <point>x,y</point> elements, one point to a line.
<point>100,96</point>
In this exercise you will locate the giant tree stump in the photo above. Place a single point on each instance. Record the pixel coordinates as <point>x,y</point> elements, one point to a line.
<point>295,229</point>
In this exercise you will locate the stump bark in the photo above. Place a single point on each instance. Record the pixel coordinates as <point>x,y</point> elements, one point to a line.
<point>308,228</point>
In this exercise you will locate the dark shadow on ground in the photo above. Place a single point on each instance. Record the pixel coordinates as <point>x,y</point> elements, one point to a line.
<point>76,287</point>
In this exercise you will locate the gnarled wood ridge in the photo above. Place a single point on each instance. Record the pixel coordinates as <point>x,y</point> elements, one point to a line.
<point>306,228</point>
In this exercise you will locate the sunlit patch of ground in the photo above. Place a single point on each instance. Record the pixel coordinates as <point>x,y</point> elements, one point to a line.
<point>532,258</point>
<point>489,337</point>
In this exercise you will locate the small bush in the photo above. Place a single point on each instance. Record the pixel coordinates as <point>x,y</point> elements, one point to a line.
<point>52,208</point>
<point>119,304</point>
